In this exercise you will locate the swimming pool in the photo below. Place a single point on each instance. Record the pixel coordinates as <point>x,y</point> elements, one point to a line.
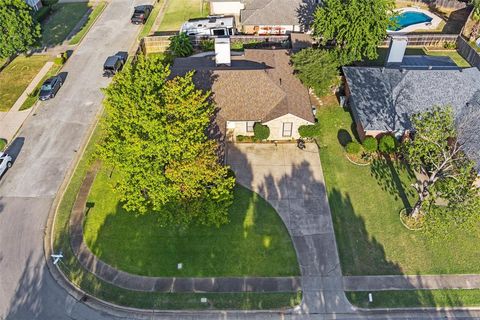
<point>409,18</point>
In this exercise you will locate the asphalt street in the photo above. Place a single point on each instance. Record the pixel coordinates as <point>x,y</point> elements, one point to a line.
<point>44,151</point>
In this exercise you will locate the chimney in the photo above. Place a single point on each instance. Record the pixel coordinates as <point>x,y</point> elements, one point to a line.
<point>398,45</point>
<point>222,51</point>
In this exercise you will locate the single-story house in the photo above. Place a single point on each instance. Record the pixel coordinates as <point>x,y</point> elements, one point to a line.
<point>258,86</point>
<point>383,99</point>
<point>267,17</point>
<point>35,4</point>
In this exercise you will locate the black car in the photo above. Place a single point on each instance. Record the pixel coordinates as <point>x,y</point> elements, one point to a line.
<point>50,88</point>
<point>140,14</point>
<point>114,64</point>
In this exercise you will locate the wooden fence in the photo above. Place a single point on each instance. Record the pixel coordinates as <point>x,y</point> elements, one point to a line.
<point>156,44</point>
<point>468,53</point>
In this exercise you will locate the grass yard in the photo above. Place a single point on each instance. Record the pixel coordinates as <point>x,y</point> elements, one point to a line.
<point>179,11</point>
<point>417,298</point>
<point>137,299</point>
<point>33,97</point>
<point>61,22</point>
<point>97,10</point>
<point>16,77</point>
<point>383,52</point>
<point>365,203</point>
<point>254,243</point>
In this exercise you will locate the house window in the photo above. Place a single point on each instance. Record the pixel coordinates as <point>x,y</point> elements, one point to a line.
<point>287,129</point>
<point>250,125</point>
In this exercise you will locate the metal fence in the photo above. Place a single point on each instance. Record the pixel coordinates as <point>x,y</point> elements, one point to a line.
<point>427,40</point>
<point>468,53</point>
<point>448,4</point>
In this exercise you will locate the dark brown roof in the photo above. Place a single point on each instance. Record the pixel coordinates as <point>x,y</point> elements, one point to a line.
<point>258,86</point>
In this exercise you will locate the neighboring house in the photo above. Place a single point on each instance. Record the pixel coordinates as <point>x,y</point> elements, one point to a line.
<point>258,86</point>
<point>35,4</point>
<point>265,17</point>
<point>382,100</point>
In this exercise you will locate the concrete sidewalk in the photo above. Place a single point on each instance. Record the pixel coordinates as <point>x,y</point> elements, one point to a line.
<point>12,120</point>
<point>412,282</point>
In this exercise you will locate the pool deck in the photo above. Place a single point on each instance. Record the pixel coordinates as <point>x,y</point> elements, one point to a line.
<point>418,26</point>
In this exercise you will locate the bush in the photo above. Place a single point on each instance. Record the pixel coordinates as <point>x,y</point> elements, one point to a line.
<point>309,131</point>
<point>353,147</point>
<point>370,144</point>
<point>450,45</point>
<point>180,45</point>
<point>42,13</point>
<point>3,143</point>
<point>388,144</point>
<point>261,131</point>
<point>207,45</point>
<point>241,138</point>
<point>48,3</point>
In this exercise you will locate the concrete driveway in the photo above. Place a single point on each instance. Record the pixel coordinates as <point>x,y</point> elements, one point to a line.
<point>45,150</point>
<point>292,181</point>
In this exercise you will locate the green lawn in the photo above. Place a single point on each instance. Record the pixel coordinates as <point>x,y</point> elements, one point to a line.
<point>254,243</point>
<point>417,298</point>
<point>147,300</point>
<point>16,77</point>
<point>383,52</point>
<point>61,22</point>
<point>365,203</point>
<point>33,97</point>
<point>97,10</point>
<point>179,11</point>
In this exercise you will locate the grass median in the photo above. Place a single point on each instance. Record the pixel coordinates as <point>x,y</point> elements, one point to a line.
<point>93,16</point>
<point>416,298</point>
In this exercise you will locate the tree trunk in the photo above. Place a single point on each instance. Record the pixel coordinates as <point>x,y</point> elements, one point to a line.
<point>423,193</point>
<point>415,214</point>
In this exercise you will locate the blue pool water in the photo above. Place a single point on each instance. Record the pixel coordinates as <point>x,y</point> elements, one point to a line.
<point>409,18</point>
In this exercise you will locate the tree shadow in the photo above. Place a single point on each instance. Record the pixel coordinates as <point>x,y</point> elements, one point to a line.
<point>385,171</point>
<point>305,13</point>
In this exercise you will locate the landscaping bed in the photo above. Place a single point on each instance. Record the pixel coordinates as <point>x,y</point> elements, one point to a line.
<point>365,204</point>
<point>16,77</point>
<point>146,300</point>
<point>417,298</point>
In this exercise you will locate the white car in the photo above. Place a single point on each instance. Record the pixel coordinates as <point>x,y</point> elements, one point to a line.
<point>5,162</point>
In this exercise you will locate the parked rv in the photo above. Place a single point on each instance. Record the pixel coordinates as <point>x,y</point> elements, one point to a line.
<point>210,26</point>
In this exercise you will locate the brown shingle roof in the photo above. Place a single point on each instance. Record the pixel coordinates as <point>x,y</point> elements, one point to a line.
<point>258,86</point>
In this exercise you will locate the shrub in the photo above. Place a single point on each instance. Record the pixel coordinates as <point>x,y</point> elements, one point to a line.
<point>207,45</point>
<point>261,131</point>
<point>387,144</point>
<point>450,45</point>
<point>370,144</point>
<point>3,143</point>
<point>353,147</point>
<point>241,138</point>
<point>180,45</point>
<point>47,3</point>
<point>309,131</point>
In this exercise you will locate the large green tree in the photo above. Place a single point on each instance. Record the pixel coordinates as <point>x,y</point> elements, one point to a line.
<point>156,143</point>
<point>317,69</point>
<point>446,175</point>
<point>354,27</point>
<point>18,30</point>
